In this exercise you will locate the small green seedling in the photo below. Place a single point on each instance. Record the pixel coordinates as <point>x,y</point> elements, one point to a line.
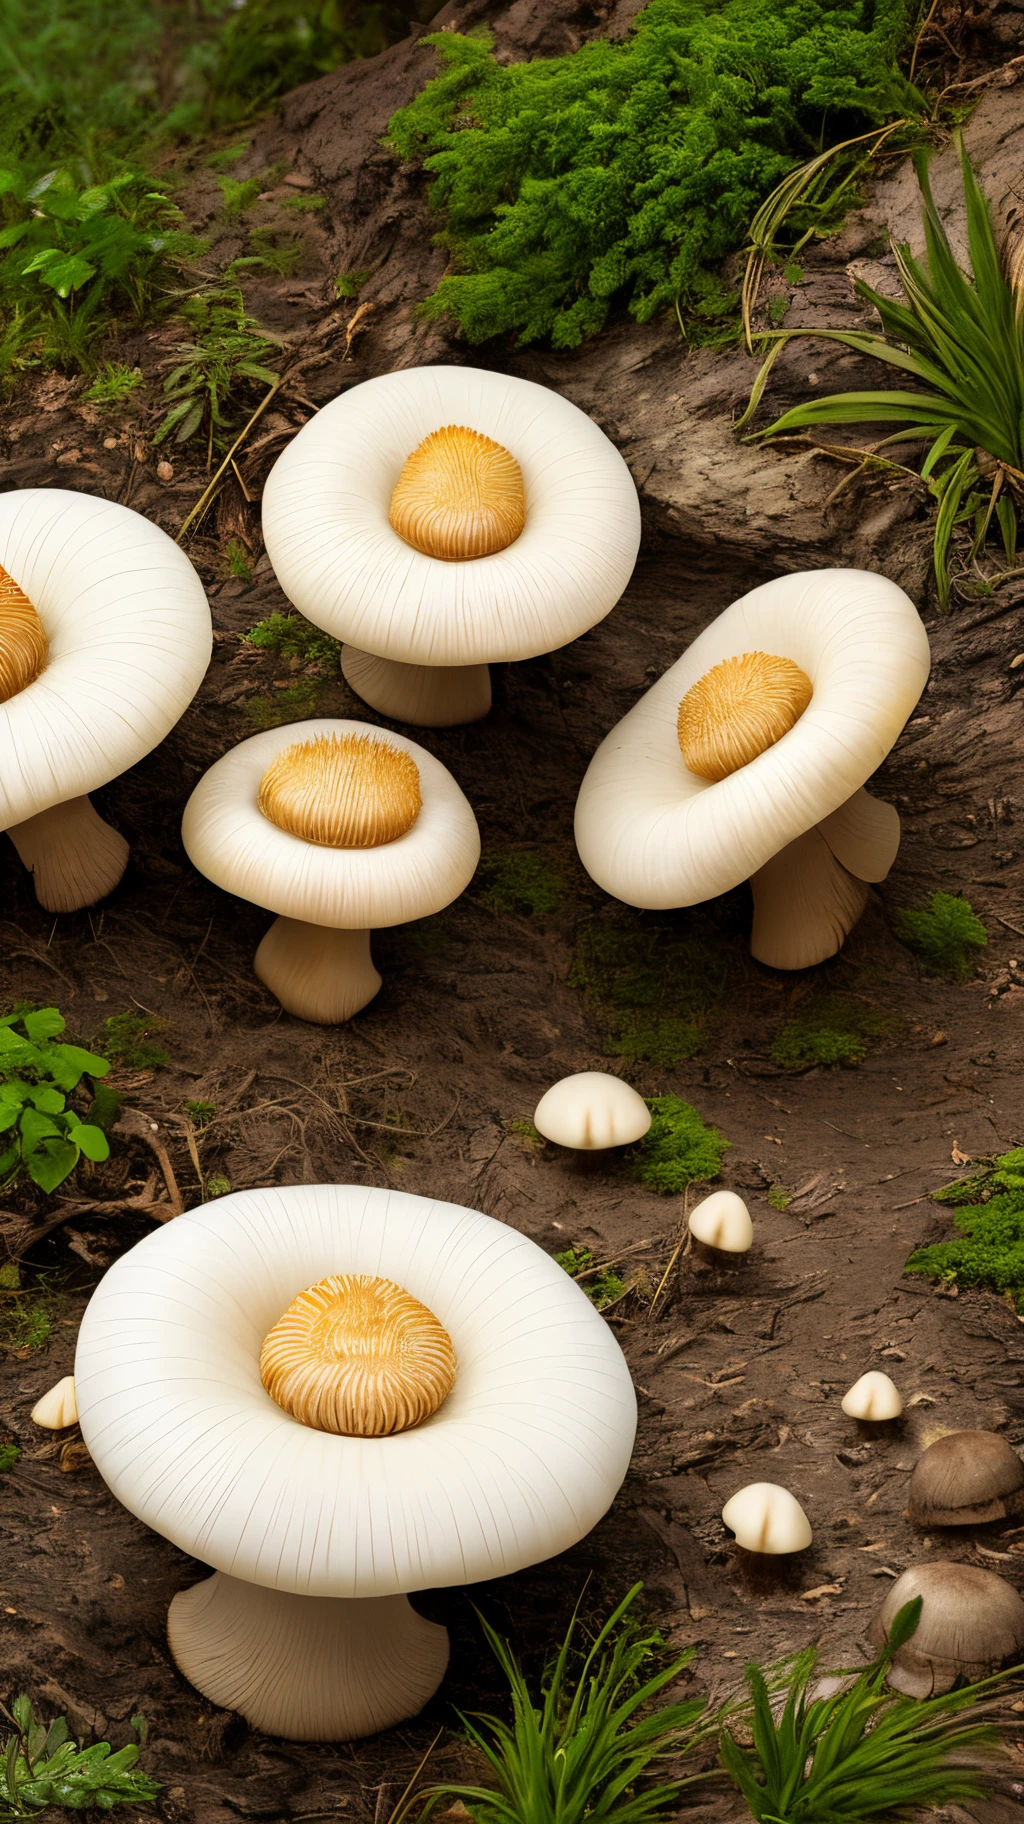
<point>778,1198</point>
<point>678,1148</point>
<point>114,385</point>
<point>39,1133</point>
<point>863,1752</point>
<point>602,1287</point>
<point>947,937</point>
<point>226,355</point>
<point>200,1113</point>
<point>9,1454</point>
<point>989,1215</point>
<point>122,1040</point>
<point>217,1186</point>
<point>521,883</point>
<point>350,284</point>
<point>237,562</point>
<point>43,1765</point>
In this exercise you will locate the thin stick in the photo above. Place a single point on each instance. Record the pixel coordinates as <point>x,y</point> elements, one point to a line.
<point>681,1243</point>
<point>241,480</point>
<point>207,494</point>
<point>415,1776</point>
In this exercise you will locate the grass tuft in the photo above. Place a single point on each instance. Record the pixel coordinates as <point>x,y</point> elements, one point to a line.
<point>947,937</point>
<point>678,1148</point>
<point>114,385</point>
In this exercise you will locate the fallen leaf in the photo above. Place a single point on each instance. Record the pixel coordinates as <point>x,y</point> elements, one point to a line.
<point>823,1589</point>
<point>958,1157</point>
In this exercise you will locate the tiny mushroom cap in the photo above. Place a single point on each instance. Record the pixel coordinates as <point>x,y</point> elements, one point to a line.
<point>334,1395</point>
<point>722,1221</point>
<point>766,1518</point>
<point>748,759</point>
<point>590,1111</point>
<point>966,1479</point>
<point>439,518</point>
<point>874,1398</point>
<point>57,1408</point>
<point>971,1623</point>
<point>337,827</point>
<point>105,637</point>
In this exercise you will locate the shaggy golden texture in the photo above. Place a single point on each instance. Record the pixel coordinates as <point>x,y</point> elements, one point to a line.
<point>23,644</point>
<point>459,495</point>
<point>358,1355</point>
<point>342,791</point>
<point>737,710</point>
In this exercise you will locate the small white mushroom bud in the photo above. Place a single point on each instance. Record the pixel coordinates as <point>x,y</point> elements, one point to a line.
<point>766,1518</point>
<point>591,1111</point>
<point>58,1408</point>
<point>873,1397</point>
<point>722,1221</point>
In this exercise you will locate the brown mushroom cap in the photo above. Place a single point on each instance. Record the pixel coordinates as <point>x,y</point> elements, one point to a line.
<point>966,1479</point>
<point>971,1623</point>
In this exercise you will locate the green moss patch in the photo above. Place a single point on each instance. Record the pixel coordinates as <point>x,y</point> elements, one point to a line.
<point>947,936</point>
<point>678,1148</point>
<point>834,1029</point>
<point>602,1287</point>
<point>989,1247</point>
<point>653,985</point>
<point>523,883</point>
<point>293,637</point>
<point>122,1039</point>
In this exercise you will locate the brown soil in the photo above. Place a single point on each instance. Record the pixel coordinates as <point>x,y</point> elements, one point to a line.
<point>739,1375</point>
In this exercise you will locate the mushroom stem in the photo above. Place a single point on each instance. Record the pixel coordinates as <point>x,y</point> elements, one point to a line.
<point>74,857</point>
<point>308,1668</point>
<point>428,696</point>
<point>805,905</point>
<point>317,973</point>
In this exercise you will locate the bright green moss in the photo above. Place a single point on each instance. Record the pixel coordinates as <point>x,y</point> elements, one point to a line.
<point>293,637</point>
<point>947,937</point>
<point>9,1454</point>
<point>603,1287</point>
<point>625,172</point>
<point>653,986</point>
<point>837,1029</point>
<point>678,1148</point>
<point>122,1039</point>
<point>778,1199</point>
<point>520,882</point>
<point>989,1248</point>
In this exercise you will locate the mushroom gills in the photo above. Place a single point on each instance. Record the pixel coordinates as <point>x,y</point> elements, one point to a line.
<point>317,973</point>
<point>310,1669</point>
<point>460,495</point>
<point>24,648</point>
<point>74,857</point>
<point>737,710</point>
<point>425,696</point>
<point>358,1355</point>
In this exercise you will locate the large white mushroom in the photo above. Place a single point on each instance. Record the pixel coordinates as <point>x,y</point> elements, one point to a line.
<point>104,640</point>
<point>440,518</point>
<point>337,827</point>
<point>748,759</point>
<point>225,1365</point>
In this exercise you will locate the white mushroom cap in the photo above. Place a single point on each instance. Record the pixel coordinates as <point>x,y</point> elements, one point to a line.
<point>128,627</point>
<point>521,1460</point>
<point>655,834</point>
<point>971,1623</point>
<point>874,1397</point>
<point>767,1518</point>
<point>722,1221</point>
<point>592,1110</point>
<point>337,557</point>
<point>229,839</point>
<point>57,1408</point>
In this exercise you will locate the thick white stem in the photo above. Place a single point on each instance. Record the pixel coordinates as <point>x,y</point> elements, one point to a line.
<point>309,1668</point>
<point>317,973</point>
<point>74,857</point>
<point>864,835</point>
<point>428,696</point>
<point>805,905</point>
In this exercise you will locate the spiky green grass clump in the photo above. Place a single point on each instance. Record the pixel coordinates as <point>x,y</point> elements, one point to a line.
<point>989,1215</point>
<point>947,936</point>
<point>678,1148</point>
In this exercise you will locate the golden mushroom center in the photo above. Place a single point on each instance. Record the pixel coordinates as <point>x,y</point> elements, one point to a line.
<point>342,791</point>
<point>459,495</point>
<point>738,709</point>
<point>359,1356</point>
<point>23,644</point>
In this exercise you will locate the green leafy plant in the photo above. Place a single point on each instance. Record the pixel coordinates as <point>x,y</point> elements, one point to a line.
<point>602,1286</point>
<point>678,1148</point>
<point>654,986</point>
<point>863,1752</point>
<point>9,1454</point>
<point>582,1747</point>
<point>39,1133</point>
<point>625,172</point>
<point>41,1764</point>
<point>293,637</point>
<point>522,883</point>
<point>227,354</point>
<point>200,1113</point>
<point>122,1040</point>
<point>237,562</point>
<point>947,936</point>
<point>114,385</point>
<point>988,1249</point>
<point>836,1029</point>
<point>350,284</point>
<point>960,336</point>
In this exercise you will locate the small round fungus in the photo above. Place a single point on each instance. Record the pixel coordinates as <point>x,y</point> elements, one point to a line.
<point>966,1479</point>
<point>590,1111</point>
<point>723,1222</point>
<point>873,1398</point>
<point>768,1519</point>
<point>972,1622</point>
<point>57,1408</point>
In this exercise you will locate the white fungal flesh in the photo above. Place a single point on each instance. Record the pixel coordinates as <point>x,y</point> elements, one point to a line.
<point>656,835</point>
<point>874,1398</point>
<point>306,1668</point>
<point>317,974</point>
<point>57,1409</point>
<point>723,1221</point>
<point>805,905</point>
<point>427,696</point>
<point>590,1111</point>
<point>766,1518</point>
<point>523,1458</point>
<point>337,557</point>
<point>74,857</point>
